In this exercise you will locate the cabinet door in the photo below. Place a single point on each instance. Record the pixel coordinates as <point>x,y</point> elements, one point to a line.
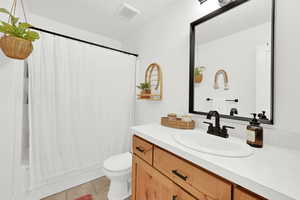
<point>241,194</point>
<point>149,184</point>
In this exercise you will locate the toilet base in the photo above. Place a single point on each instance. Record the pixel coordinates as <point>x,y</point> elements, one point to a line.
<point>127,197</point>
<point>119,189</point>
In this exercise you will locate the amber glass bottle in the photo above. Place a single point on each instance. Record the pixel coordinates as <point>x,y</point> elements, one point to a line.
<point>255,133</point>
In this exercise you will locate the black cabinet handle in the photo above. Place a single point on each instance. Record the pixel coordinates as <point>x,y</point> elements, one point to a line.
<point>232,100</point>
<point>140,149</point>
<point>174,197</point>
<point>180,175</point>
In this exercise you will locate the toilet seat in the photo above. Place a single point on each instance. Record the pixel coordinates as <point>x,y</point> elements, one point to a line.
<point>118,163</point>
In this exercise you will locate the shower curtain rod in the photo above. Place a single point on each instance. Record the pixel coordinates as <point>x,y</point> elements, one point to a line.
<point>79,40</point>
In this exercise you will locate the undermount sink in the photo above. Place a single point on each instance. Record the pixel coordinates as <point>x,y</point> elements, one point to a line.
<point>205,143</point>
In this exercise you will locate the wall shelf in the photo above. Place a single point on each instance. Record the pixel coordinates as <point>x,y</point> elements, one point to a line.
<point>152,97</point>
<point>153,75</point>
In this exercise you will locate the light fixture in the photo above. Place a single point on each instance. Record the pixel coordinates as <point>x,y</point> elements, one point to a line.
<point>202,1</point>
<point>128,12</point>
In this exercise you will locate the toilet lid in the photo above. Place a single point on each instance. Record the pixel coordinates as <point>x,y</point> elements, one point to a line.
<point>120,162</point>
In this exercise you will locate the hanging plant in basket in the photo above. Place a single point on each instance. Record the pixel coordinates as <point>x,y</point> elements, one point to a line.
<point>198,74</point>
<point>17,39</point>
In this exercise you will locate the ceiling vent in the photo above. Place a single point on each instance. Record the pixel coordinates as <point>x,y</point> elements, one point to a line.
<point>128,12</point>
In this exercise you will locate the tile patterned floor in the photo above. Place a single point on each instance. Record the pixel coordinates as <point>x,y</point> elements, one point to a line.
<point>97,188</point>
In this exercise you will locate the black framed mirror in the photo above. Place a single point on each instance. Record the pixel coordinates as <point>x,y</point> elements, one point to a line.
<point>232,61</point>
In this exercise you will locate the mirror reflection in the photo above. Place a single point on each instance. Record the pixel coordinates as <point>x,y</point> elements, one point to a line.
<point>233,61</point>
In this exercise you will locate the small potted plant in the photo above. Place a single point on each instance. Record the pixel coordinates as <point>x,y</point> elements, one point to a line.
<point>145,90</point>
<point>17,39</point>
<point>198,74</point>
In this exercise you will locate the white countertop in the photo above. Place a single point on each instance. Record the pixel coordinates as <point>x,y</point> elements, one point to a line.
<point>271,172</point>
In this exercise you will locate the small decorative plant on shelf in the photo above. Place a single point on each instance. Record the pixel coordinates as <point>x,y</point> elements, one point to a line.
<point>145,90</point>
<point>17,39</point>
<point>198,74</point>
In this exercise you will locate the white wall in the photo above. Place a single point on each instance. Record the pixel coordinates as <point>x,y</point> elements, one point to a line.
<point>166,41</point>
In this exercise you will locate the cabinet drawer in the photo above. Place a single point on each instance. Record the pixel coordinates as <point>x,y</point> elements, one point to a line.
<point>190,177</point>
<point>152,185</point>
<point>143,149</point>
<point>242,194</point>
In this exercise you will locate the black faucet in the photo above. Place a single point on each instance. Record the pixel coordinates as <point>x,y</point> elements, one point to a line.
<point>234,111</point>
<point>217,118</point>
<point>217,130</point>
<point>262,116</point>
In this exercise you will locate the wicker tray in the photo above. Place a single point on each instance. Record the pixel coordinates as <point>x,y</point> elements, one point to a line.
<point>178,123</point>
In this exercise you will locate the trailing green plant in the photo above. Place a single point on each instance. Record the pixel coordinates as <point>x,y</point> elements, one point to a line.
<point>144,86</point>
<point>16,28</point>
<point>199,71</point>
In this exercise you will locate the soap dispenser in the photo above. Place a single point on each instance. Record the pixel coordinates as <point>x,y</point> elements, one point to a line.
<point>255,133</point>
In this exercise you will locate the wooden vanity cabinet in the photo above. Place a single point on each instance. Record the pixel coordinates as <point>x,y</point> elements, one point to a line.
<point>242,194</point>
<point>160,175</point>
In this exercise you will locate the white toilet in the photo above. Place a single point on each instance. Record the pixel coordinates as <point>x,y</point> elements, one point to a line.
<point>118,169</point>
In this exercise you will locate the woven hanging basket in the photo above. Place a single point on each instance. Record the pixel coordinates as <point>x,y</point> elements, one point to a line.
<point>15,47</point>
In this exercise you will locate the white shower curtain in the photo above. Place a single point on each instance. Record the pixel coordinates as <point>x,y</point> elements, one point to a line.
<point>81,107</point>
